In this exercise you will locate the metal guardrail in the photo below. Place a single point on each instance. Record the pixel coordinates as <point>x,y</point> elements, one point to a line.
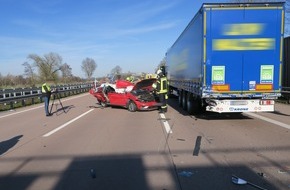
<point>13,96</point>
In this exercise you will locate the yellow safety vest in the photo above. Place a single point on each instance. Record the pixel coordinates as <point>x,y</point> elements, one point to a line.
<point>45,88</point>
<point>162,85</point>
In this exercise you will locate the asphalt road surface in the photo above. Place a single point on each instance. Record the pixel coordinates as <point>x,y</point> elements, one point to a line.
<point>83,146</point>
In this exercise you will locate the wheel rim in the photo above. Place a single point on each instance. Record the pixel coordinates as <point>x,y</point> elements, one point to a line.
<point>103,104</point>
<point>131,107</point>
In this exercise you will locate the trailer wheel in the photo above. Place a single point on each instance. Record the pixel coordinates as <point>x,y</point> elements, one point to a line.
<point>132,106</point>
<point>193,104</point>
<point>189,103</point>
<point>196,106</point>
<point>169,92</point>
<point>180,98</point>
<point>184,102</point>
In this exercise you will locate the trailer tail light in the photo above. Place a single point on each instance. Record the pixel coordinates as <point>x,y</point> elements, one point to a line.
<point>267,102</point>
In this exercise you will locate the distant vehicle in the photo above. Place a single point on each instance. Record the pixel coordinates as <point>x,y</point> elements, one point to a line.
<point>134,97</point>
<point>229,58</point>
<point>149,76</point>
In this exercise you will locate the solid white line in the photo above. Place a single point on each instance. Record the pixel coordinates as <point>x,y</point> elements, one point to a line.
<point>166,124</point>
<point>38,107</point>
<point>268,120</point>
<point>20,112</point>
<point>66,124</point>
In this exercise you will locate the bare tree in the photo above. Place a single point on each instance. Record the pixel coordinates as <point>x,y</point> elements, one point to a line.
<point>89,66</point>
<point>8,80</point>
<point>116,70</point>
<point>66,71</point>
<point>18,80</point>
<point>29,73</point>
<point>47,65</point>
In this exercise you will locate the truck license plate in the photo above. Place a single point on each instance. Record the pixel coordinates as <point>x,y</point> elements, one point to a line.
<point>238,103</point>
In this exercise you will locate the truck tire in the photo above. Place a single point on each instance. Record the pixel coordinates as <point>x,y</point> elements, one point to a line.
<point>196,106</point>
<point>132,106</point>
<point>184,101</point>
<point>193,104</point>
<point>189,103</point>
<point>180,98</point>
<point>169,92</point>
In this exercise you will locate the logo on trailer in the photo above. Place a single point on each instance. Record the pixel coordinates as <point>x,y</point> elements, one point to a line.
<point>238,109</point>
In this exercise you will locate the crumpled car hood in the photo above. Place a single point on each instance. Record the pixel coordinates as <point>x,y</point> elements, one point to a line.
<point>144,84</point>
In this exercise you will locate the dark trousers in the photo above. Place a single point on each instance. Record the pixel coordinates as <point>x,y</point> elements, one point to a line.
<point>163,101</point>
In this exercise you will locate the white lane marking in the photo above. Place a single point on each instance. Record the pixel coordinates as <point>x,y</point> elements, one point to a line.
<point>165,123</point>
<point>268,120</point>
<point>66,124</point>
<point>38,107</point>
<point>20,112</point>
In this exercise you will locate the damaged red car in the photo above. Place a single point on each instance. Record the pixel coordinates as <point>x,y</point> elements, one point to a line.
<point>134,97</point>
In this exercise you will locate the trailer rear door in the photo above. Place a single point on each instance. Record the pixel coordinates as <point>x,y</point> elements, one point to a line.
<point>243,49</point>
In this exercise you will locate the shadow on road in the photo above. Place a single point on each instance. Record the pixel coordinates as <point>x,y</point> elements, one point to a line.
<point>130,172</point>
<point>6,145</point>
<point>60,110</point>
<point>280,113</point>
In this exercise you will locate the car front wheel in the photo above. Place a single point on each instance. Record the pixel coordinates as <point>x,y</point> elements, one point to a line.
<point>132,106</point>
<point>103,104</point>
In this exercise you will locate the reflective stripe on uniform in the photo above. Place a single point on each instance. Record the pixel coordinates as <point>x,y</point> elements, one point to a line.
<point>163,85</point>
<point>45,88</point>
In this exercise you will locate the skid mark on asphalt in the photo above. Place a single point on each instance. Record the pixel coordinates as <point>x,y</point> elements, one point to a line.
<point>66,124</point>
<point>269,120</point>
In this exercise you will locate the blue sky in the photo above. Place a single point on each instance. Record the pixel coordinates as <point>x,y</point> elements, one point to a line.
<point>132,34</point>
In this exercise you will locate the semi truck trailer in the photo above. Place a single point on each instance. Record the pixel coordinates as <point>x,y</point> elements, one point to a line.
<point>286,71</point>
<point>229,58</point>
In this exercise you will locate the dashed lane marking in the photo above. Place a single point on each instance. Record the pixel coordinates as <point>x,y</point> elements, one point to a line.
<point>66,124</point>
<point>165,123</point>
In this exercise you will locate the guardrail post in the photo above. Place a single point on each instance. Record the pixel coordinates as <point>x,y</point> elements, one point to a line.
<point>11,105</point>
<point>23,102</point>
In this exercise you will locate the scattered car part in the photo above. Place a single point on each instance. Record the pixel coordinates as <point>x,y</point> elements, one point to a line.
<point>239,181</point>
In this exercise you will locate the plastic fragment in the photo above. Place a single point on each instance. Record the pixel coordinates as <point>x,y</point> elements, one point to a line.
<point>185,174</point>
<point>93,173</point>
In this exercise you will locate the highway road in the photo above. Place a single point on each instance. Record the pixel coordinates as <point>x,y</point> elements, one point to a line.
<point>89,147</point>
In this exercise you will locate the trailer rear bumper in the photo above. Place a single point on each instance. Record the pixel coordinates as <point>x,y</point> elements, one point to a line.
<point>228,106</point>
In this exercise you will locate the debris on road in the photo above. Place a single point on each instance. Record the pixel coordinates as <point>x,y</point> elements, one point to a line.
<point>261,174</point>
<point>185,174</point>
<point>197,146</point>
<point>239,181</point>
<point>93,173</point>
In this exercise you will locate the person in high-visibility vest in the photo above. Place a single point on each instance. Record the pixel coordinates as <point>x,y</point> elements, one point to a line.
<point>161,90</point>
<point>46,93</point>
